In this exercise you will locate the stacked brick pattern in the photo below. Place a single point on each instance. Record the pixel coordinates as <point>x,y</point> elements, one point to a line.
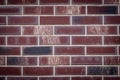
<point>59,39</point>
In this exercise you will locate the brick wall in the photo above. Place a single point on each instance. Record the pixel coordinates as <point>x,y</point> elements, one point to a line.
<point>59,39</point>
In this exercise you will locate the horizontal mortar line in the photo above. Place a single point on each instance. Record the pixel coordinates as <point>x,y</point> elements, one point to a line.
<point>72,35</point>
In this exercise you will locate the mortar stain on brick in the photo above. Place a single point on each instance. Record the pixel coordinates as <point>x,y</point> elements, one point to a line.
<point>2,61</point>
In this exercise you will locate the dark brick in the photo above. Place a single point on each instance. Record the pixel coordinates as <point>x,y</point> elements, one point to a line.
<point>112,20</point>
<point>102,71</point>
<point>112,78</point>
<point>2,2</point>
<point>87,1</point>
<point>86,78</point>
<point>111,1</point>
<point>54,78</point>
<point>37,50</point>
<point>22,78</point>
<point>2,40</point>
<point>2,20</point>
<point>2,78</point>
<point>46,2</point>
<point>86,20</point>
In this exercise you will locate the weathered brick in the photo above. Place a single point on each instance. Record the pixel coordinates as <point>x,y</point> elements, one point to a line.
<point>111,1</point>
<point>21,61</point>
<point>22,78</point>
<point>22,20</point>
<point>112,40</point>
<point>101,30</point>
<point>87,2</point>
<point>86,78</point>
<point>8,10</point>
<point>2,2</point>
<point>54,20</point>
<point>54,40</point>
<point>2,20</point>
<point>9,50</point>
<point>22,40</point>
<point>70,30</point>
<point>2,61</point>
<point>10,71</point>
<point>46,2</point>
<point>54,78</point>
<point>10,30</point>
<point>37,50</point>
<point>86,40</point>
<point>76,50</point>
<point>111,78</point>
<point>88,60</point>
<point>86,20</point>
<point>102,71</point>
<point>2,41</point>
<point>101,50</point>
<point>57,60</point>
<point>37,71</point>
<point>38,10</point>
<point>70,71</point>
<point>102,10</point>
<point>112,20</point>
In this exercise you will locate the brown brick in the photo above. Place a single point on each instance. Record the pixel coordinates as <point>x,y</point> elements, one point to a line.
<point>112,78</point>
<point>54,20</point>
<point>54,78</point>
<point>46,2</point>
<point>86,40</point>
<point>69,50</point>
<point>112,20</point>
<point>54,40</point>
<point>22,20</point>
<point>2,60</point>
<point>87,1</point>
<point>38,10</point>
<point>101,50</point>
<point>10,71</point>
<point>2,40</point>
<point>22,78</point>
<point>22,40</point>
<point>86,78</point>
<point>70,30</point>
<point>111,1</point>
<point>37,71</point>
<point>2,20</point>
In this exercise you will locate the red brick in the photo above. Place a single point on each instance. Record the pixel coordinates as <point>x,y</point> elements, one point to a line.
<point>101,50</point>
<point>102,10</point>
<point>10,71</point>
<point>22,2</point>
<point>112,40</point>
<point>54,40</point>
<point>64,10</point>
<point>37,71</point>
<point>86,20</point>
<point>38,30</point>
<point>2,20</point>
<point>22,78</point>
<point>9,51</point>
<point>69,71</point>
<point>57,60</point>
<point>86,60</point>
<point>112,78</point>
<point>70,30</point>
<point>111,1</point>
<point>54,20</point>
<point>87,1</point>
<point>112,20</point>
<point>38,10</point>
<point>54,2</point>
<point>10,30</point>
<point>22,20</point>
<point>2,2</point>
<point>22,40</point>
<point>86,78</point>
<point>2,41</point>
<point>76,50</point>
<point>8,10</point>
<point>54,78</point>
<point>112,60</point>
<point>101,30</point>
<point>86,40</point>
<point>2,60</point>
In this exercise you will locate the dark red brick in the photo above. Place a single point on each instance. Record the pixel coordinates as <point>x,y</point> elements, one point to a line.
<point>70,30</point>
<point>22,61</point>
<point>2,20</point>
<point>22,2</point>
<point>10,30</point>
<point>54,40</point>
<point>8,10</point>
<point>101,50</point>
<point>2,40</point>
<point>54,78</point>
<point>2,78</point>
<point>86,20</point>
<point>9,51</point>
<point>22,78</point>
<point>112,20</point>
<point>86,40</point>
<point>112,78</point>
<point>69,50</point>
<point>112,40</point>
<point>102,30</point>
<point>112,60</point>
<point>38,10</point>
<point>46,2</point>
<point>111,1</point>
<point>87,1</point>
<point>102,10</point>
<point>10,71</point>
<point>22,40</point>
<point>88,60</point>
<point>57,60</point>
<point>2,2</point>
<point>70,71</point>
<point>2,61</point>
<point>86,78</point>
<point>22,20</point>
<point>37,71</point>
<point>54,20</point>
